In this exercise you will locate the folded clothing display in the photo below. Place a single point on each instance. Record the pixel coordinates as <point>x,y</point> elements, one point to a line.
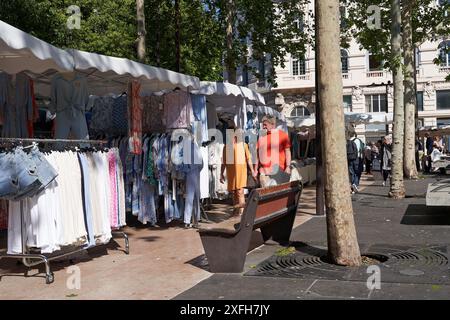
<point>24,174</point>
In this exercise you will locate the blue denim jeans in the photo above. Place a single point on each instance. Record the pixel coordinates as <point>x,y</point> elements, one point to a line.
<point>353,168</point>
<point>19,176</point>
<point>193,196</point>
<point>46,173</point>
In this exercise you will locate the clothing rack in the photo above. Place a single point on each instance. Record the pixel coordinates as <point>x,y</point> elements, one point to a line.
<point>53,141</point>
<point>33,259</point>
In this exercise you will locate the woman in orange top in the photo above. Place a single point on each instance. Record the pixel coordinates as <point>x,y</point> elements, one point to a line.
<point>236,159</point>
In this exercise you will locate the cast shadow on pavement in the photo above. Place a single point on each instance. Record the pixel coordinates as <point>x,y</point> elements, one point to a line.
<point>420,214</point>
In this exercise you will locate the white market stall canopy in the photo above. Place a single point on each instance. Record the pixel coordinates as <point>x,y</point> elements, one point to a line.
<point>350,118</point>
<point>20,51</point>
<point>369,118</point>
<point>270,111</point>
<point>226,97</point>
<point>113,73</point>
<point>301,123</point>
<point>434,131</point>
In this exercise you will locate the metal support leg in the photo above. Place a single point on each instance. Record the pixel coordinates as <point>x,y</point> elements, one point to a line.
<point>49,277</point>
<point>127,241</point>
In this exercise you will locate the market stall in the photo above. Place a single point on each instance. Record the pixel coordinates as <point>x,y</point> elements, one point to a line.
<point>226,102</point>
<point>87,186</point>
<point>303,134</point>
<point>440,159</point>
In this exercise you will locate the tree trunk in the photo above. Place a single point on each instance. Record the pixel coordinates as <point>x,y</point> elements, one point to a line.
<point>177,36</point>
<point>230,60</point>
<point>343,245</point>
<point>320,191</point>
<point>140,13</point>
<point>158,37</point>
<point>410,168</point>
<point>397,190</point>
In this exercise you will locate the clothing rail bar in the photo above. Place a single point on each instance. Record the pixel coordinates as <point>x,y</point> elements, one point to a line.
<point>52,140</point>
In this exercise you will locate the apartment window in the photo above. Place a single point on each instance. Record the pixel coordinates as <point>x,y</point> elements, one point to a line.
<point>347,103</point>
<point>262,69</point>
<point>443,99</point>
<point>417,58</point>
<point>343,16</point>
<point>420,101</point>
<point>299,24</point>
<point>300,112</point>
<point>344,60</point>
<point>443,3</point>
<point>375,63</point>
<point>444,53</point>
<point>298,66</point>
<point>245,76</point>
<point>442,122</point>
<point>376,103</point>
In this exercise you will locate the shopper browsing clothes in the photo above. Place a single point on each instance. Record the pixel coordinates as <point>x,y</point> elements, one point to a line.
<point>359,163</point>
<point>274,168</point>
<point>386,158</point>
<point>236,160</point>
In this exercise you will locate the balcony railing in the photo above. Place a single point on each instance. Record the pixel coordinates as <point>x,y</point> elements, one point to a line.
<point>300,77</point>
<point>444,69</point>
<point>345,76</point>
<point>375,74</point>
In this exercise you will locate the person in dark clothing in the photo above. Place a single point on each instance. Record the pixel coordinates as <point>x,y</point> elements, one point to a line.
<point>419,154</point>
<point>352,161</point>
<point>429,149</point>
<point>386,159</point>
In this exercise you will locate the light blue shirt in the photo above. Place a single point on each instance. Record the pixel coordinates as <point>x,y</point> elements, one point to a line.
<point>69,94</point>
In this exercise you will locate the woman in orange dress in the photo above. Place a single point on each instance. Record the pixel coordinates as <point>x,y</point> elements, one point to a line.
<point>236,160</point>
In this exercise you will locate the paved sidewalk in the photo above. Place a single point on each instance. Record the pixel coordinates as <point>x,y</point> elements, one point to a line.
<point>163,263</point>
<point>415,238</point>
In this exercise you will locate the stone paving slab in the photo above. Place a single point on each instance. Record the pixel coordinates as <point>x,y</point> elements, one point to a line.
<point>236,287</point>
<point>400,225</point>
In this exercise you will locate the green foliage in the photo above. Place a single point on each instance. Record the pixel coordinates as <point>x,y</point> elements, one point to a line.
<point>107,27</point>
<point>285,251</point>
<point>429,22</point>
<point>265,29</point>
<point>200,34</point>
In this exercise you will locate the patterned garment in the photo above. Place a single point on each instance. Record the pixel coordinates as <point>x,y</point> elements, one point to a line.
<point>153,114</point>
<point>102,112</point>
<point>149,166</point>
<point>135,119</point>
<point>178,110</point>
<point>120,116</point>
<point>113,203</point>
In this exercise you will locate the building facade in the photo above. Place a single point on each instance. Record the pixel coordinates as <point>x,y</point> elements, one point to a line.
<point>367,86</point>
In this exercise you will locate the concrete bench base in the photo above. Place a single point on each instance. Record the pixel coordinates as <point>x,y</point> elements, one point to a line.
<point>438,193</point>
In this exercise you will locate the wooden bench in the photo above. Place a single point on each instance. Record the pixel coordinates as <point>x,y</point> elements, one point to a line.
<point>272,210</point>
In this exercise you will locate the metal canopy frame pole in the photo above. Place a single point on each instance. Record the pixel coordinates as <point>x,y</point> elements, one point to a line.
<point>26,256</point>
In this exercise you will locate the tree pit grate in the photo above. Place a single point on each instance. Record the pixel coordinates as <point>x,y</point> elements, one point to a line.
<point>409,265</point>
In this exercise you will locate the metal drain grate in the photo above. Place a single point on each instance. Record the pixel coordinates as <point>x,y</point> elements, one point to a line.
<point>422,257</point>
<point>432,266</point>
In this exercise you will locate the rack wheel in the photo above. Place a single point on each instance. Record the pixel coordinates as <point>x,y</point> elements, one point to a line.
<point>49,278</point>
